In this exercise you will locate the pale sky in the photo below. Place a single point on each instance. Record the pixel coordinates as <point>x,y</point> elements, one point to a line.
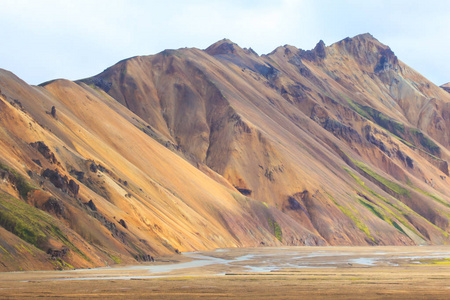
<point>42,40</point>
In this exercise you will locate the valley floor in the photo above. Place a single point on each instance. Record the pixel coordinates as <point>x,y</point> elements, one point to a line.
<point>258,273</point>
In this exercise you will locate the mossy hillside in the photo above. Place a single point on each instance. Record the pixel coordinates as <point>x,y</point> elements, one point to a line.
<point>31,224</point>
<point>404,142</point>
<point>116,259</point>
<point>384,121</point>
<point>378,117</point>
<point>372,192</point>
<point>4,253</point>
<point>374,210</point>
<point>265,208</point>
<point>425,141</point>
<point>21,246</point>
<point>276,229</point>
<point>390,185</point>
<point>381,214</point>
<point>434,197</point>
<point>357,108</point>
<point>21,184</point>
<point>397,129</point>
<point>359,224</point>
<point>399,212</point>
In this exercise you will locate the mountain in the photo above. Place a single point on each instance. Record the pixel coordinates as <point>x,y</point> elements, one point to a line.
<point>198,149</point>
<point>446,86</point>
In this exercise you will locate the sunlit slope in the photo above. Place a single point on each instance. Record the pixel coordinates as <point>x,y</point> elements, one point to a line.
<point>146,199</point>
<point>346,139</point>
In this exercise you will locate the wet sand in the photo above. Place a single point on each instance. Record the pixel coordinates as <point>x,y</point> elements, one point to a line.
<point>256,273</point>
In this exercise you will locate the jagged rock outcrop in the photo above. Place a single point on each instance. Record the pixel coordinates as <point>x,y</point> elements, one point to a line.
<point>61,182</point>
<point>55,253</point>
<point>43,149</point>
<point>55,206</point>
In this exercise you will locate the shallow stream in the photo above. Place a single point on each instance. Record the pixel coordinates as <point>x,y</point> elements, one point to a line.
<point>261,260</point>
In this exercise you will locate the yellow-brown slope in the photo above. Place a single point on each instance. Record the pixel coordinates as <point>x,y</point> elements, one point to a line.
<point>163,203</point>
<point>285,130</point>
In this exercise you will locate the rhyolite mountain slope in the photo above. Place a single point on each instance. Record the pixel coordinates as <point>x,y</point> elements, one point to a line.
<point>446,87</point>
<point>197,149</point>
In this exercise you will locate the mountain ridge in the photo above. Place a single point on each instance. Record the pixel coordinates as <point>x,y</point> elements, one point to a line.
<point>195,149</point>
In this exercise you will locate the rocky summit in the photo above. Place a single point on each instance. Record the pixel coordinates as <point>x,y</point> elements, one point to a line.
<point>195,149</point>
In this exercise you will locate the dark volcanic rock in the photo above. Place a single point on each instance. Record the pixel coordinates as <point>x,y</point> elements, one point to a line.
<point>294,202</point>
<point>443,166</point>
<point>319,52</point>
<point>54,253</point>
<point>122,222</point>
<point>93,167</point>
<point>267,71</point>
<point>78,174</point>
<point>340,130</point>
<point>73,187</point>
<point>245,192</point>
<point>56,206</point>
<point>37,161</point>
<point>99,82</point>
<point>144,257</point>
<point>58,181</point>
<point>409,162</point>
<point>91,205</point>
<point>111,226</point>
<point>378,143</point>
<point>387,61</point>
<point>42,148</point>
<point>320,49</point>
<point>62,183</point>
<point>53,112</point>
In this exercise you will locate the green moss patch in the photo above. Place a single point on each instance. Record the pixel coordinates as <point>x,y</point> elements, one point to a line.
<point>398,227</point>
<point>434,197</point>
<point>385,214</point>
<point>390,185</point>
<point>276,229</point>
<point>116,259</point>
<point>357,108</point>
<point>384,121</point>
<point>359,224</point>
<point>425,141</point>
<point>372,209</point>
<point>31,224</point>
<point>21,184</point>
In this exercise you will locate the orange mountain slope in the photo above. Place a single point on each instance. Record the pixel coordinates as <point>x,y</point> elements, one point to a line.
<point>197,149</point>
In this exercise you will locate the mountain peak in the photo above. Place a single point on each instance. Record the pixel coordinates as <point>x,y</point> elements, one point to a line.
<point>361,39</point>
<point>446,87</point>
<point>365,36</point>
<point>319,50</point>
<point>316,54</point>
<point>224,46</point>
